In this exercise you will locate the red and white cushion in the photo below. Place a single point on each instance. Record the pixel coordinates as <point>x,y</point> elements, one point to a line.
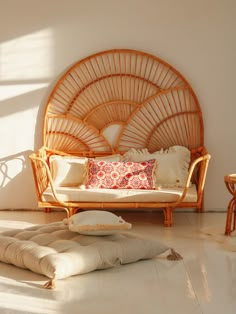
<point>121,175</point>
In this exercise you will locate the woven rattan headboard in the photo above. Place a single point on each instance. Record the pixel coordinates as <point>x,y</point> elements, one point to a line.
<point>117,99</point>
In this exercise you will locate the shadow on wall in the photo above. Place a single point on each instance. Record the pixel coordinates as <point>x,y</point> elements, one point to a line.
<point>25,112</point>
<point>16,182</point>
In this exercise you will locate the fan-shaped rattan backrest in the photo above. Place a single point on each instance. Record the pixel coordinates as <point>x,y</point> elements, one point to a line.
<point>118,99</point>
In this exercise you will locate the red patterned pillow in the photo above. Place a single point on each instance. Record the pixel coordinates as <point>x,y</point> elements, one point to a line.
<point>121,175</point>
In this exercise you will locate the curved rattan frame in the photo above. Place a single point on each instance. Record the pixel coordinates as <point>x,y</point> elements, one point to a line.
<point>139,99</point>
<point>152,102</point>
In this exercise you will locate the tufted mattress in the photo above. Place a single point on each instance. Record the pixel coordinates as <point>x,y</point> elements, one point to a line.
<point>54,251</point>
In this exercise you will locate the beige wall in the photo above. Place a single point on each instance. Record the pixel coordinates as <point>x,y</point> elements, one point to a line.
<point>40,39</point>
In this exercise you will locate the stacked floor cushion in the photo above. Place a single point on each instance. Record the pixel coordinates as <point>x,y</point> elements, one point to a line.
<point>56,252</point>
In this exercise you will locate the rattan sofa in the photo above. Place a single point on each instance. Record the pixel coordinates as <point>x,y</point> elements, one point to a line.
<point>108,103</point>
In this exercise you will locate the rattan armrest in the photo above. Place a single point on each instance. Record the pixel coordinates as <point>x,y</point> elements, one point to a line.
<point>45,170</point>
<point>204,160</point>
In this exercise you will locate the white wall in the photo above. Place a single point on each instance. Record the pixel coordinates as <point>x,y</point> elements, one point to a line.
<point>40,39</point>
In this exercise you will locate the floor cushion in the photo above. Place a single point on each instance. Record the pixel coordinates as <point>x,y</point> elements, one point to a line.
<point>56,252</point>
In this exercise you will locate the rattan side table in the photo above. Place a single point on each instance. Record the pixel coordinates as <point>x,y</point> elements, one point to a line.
<point>230,182</point>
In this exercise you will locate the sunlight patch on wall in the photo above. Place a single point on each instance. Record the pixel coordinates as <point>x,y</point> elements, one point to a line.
<point>27,57</point>
<point>13,90</point>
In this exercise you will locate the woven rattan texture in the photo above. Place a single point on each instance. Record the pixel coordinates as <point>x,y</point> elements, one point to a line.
<point>149,102</point>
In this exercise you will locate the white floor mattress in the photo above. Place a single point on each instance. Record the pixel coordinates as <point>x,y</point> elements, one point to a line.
<point>54,251</point>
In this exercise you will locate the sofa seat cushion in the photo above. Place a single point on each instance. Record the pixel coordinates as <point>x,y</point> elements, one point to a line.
<point>119,195</point>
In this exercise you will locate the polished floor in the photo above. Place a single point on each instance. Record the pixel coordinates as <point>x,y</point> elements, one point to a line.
<point>203,282</point>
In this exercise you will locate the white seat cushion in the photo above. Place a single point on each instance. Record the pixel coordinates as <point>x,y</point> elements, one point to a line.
<point>120,195</point>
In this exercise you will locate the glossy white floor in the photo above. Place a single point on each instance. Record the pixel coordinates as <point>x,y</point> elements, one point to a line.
<point>203,282</point>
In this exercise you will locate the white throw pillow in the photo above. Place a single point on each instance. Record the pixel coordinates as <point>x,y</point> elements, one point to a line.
<point>68,170</point>
<point>172,164</point>
<point>96,222</point>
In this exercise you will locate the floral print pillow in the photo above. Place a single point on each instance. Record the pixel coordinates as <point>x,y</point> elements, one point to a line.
<point>121,175</point>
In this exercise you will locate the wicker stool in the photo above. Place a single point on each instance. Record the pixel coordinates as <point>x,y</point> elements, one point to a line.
<point>230,182</point>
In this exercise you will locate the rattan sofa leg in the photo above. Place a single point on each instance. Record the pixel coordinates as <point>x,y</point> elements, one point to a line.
<point>70,211</point>
<point>200,208</point>
<point>231,217</point>
<point>167,216</point>
<point>77,210</point>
